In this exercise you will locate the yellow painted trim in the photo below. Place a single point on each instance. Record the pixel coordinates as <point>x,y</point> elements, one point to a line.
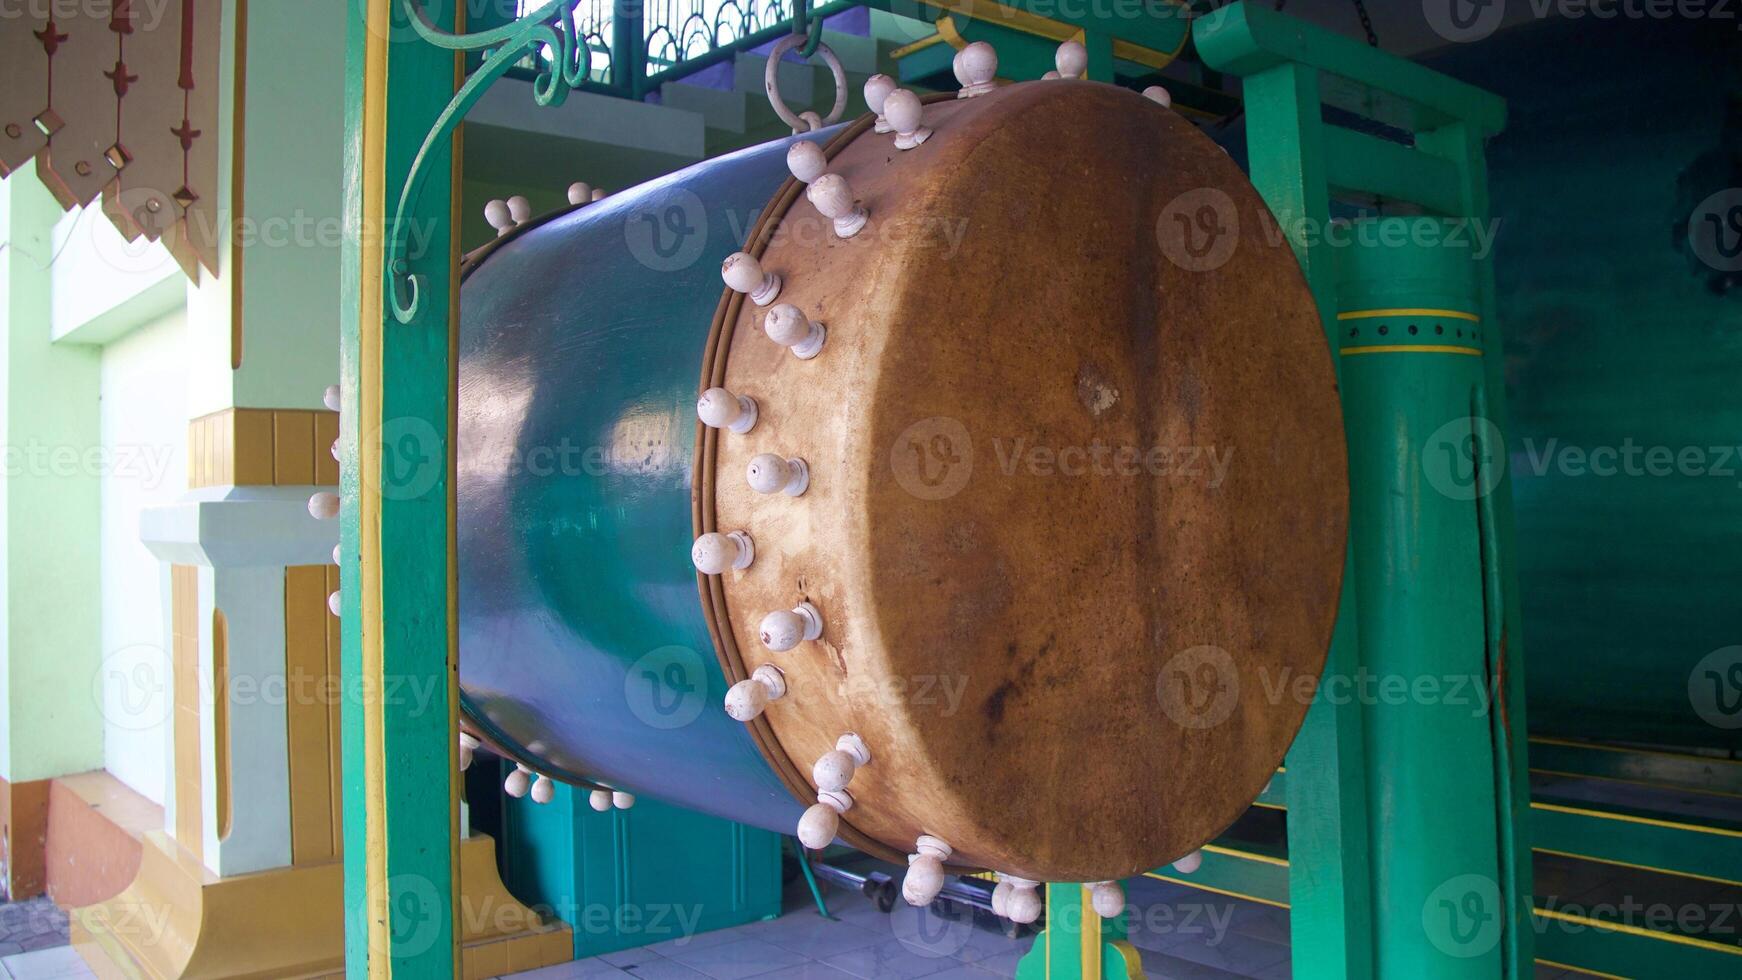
<point>919,45</point>
<point>455,793</point>
<point>1133,959</point>
<point>1028,23</point>
<point>221,748</point>
<point>1639,782</point>
<point>1629,818</point>
<point>1213,890</point>
<point>1270,806</point>
<point>1636,867</point>
<point>371,235</point>
<point>1411,349</point>
<point>1046,955</point>
<point>1573,744</point>
<point>1639,931</point>
<point>238,174</point>
<point>1089,941</point>
<point>1579,969</point>
<point>1409,311</point>
<point>1245,855</point>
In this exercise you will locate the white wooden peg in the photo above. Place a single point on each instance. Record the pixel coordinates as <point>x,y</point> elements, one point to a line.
<point>834,769</point>
<point>1072,59</point>
<point>1158,95</point>
<point>1107,898</point>
<point>743,273</point>
<point>877,89</point>
<point>520,209</point>
<point>822,820</point>
<point>1023,904</point>
<point>518,781</point>
<point>599,799</point>
<point>543,789</point>
<point>976,66</point>
<point>831,196</point>
<point>334,602</point>
<point>499,217</point>
<point>787,326</point>
<point>323,506</point>
<point>904,113</point>
<point>773,473</point>
<point>783,629</point>
<point>715,552</point>
<point>330,398</point>
<point>748,698</point>
<point>806,160</point>
<point>1190,863</point>
<point>580,192</point>
<point>925,871</point>
<point>598,194</point>
<point>720,409</point>
<point>622,800</point>
<point>468,749</point>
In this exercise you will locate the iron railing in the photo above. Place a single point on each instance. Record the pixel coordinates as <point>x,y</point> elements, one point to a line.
<point>634,46</point>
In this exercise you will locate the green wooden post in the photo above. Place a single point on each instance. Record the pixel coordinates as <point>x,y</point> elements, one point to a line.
<point>400,776</point>
<point>1411,373</point>
<point>1077,943</point>
<point>1461,144</point>
<point>1328,833</point>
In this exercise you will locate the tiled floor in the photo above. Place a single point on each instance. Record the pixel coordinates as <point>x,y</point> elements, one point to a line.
<point>1182,934</point>
<point>44,964</point>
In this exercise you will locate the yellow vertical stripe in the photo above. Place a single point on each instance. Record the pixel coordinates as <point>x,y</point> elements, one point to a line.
<point>1090,937</point>
<point>374,186</point>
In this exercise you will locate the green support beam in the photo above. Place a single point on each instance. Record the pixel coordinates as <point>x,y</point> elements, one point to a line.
<point>400,771</point>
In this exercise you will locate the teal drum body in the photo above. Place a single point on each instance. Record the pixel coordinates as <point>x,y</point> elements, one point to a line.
<point>583,646</point>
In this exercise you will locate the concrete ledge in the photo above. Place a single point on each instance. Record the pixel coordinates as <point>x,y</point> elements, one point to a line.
<point>237,527</point>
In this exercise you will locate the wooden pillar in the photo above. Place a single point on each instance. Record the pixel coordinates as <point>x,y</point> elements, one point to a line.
<point>397,579</point>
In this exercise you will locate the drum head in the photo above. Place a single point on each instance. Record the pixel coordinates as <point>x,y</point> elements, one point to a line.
<point>1077,504</point>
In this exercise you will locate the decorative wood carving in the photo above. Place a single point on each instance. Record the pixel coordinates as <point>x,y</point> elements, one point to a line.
<point>119,100</point>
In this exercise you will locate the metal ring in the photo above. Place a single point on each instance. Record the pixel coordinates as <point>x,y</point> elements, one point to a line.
<point>772,85</point>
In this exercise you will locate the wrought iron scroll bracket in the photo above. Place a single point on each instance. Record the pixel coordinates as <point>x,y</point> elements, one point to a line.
<point>552,25</point>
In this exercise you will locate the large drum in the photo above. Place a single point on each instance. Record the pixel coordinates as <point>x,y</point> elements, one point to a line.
<point>1019,517</point>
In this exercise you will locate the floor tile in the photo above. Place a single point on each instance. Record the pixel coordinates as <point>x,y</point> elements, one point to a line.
<point>591,968</point>
<point>807,971</point>
<point>734,961</point>
<point>44,964</point>
<point>892,958</point>
<point>660,968</point>
<point>625,958</point>
<point>702,940</point>
<point>816,937</point>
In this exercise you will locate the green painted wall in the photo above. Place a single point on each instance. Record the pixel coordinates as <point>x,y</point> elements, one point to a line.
<point>1618,337</point>
<point>50,723</point>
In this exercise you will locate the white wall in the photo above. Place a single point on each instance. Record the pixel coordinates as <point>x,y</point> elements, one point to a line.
<point>144,434</point>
